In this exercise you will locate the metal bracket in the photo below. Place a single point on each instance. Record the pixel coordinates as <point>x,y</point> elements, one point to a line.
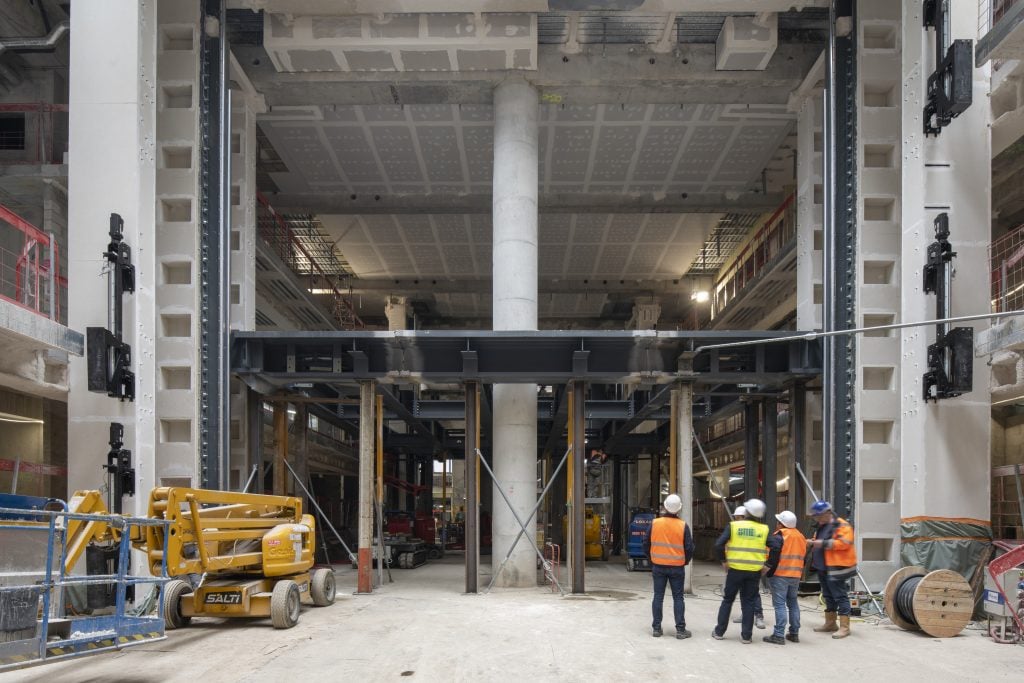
<point>119,468</point>
<point>109,357</point>
<point>950,85</point>
<point>950,358</point>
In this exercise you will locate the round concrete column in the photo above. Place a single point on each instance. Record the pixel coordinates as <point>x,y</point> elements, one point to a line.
<point>515,308</point>
<point>396,308</point>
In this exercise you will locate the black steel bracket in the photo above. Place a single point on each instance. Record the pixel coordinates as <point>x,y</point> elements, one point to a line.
<point>119,467</point>
<point>109,357</point>
<point>950,85</point>
<point>950,358</point>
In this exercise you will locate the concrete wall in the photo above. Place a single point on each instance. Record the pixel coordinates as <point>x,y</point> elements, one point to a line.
<point>113,130</point>
<point>944,447</point>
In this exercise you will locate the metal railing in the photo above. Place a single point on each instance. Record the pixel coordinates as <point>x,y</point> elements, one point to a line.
<point>38,139</point>
<point>30,275</point>
<point>36,588</point>
<point>758,255</point>
<point>275,231</point>
<point>1006,266</point>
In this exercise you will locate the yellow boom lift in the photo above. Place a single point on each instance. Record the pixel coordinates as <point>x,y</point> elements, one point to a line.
<point>246,555</point>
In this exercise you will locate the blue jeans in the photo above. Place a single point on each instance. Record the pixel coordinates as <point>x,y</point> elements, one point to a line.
<point>746,584</point>
<point>675,577</point>
<point>784,600</point>
<point>837,599</point>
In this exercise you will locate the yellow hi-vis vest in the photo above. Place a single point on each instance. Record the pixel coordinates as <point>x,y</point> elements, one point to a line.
<point>747,548</point>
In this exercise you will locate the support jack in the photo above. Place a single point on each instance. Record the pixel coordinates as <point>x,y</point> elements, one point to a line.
<point>950,358</point>
<point>950,85</point>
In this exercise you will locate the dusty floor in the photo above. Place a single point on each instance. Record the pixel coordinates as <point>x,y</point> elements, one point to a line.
<point>421,627</point>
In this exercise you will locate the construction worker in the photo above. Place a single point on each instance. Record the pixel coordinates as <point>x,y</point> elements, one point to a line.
<point>742,548</point>
<point>741,513</point>
<point>670,547</point>
<point>834,557</point>
<point>787,548</point>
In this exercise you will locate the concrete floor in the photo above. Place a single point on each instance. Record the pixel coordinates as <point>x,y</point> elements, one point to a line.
<point>422,627</point>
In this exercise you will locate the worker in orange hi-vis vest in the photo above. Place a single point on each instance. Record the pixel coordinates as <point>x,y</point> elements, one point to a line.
<point>787,548</point>
<point>670,546</point>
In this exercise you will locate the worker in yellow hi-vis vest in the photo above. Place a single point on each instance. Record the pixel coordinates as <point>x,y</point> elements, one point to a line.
<point>742,549</point>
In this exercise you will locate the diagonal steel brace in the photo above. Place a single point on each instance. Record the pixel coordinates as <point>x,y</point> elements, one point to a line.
<point>522,526</point>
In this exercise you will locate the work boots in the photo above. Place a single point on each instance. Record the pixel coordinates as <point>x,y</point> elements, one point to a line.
<point>830,624</point>
<point>844,627</point>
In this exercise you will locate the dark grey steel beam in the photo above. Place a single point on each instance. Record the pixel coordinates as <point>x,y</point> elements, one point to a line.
<point>403,413</point>
<point>335,202</point>
<point>655,403</point>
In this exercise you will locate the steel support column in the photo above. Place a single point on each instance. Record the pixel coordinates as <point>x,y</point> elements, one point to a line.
<point>769,449</point>
<point>577,552</point>
<point>472,512</point>
<point>214,250</point>
<point>280,447</point>
<point>797,447</point>
<point>366,458</point>
<point>301,450</point>
<point>750,450</point>
<point>254,440</point>
<point>842,388</point>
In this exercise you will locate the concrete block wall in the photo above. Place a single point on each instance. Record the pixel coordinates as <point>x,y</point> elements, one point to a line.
<point>177,216</point>
<point>877,512</point>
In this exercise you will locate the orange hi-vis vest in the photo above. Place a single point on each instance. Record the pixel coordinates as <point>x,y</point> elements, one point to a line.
<point>667,536</point>
<point>841,558</point>
<point>791,560</point>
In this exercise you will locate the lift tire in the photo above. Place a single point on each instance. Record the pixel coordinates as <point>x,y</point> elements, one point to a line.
<point>629,564</point>
<point>173,593</point>
<point>322,587</point>
<point>285,604</point>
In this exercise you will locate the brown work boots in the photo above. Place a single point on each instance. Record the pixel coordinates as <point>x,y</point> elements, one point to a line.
<point>840,630</point>
<point>830,625</point>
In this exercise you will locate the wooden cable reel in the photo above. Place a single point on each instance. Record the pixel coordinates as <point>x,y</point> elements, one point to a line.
<point>940,603</point>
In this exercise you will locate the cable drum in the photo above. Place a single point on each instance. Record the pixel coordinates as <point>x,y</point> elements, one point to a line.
<point>905,598</point>
<point>940,603</point>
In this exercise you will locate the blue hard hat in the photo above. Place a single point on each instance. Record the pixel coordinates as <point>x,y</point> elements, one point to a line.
<point>820,506</point>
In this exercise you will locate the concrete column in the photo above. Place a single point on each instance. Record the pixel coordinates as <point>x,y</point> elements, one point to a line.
<point>682,415</point>
<point>515,308</point>
<point>943,448</point>
<point>112,129</point>
<point>366,457</point>
<point>396,308</point>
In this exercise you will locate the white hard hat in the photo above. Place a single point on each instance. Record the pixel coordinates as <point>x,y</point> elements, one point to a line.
<point>740,511</point>
<point>673,503</point>
<point>787,518</point>
<point>755,507</point>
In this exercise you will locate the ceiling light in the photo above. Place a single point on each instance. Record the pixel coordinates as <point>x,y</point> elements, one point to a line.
<point>701,296</point>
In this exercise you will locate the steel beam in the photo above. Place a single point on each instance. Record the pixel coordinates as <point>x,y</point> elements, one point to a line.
<point>797,446</point>
<point>280,447</point>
